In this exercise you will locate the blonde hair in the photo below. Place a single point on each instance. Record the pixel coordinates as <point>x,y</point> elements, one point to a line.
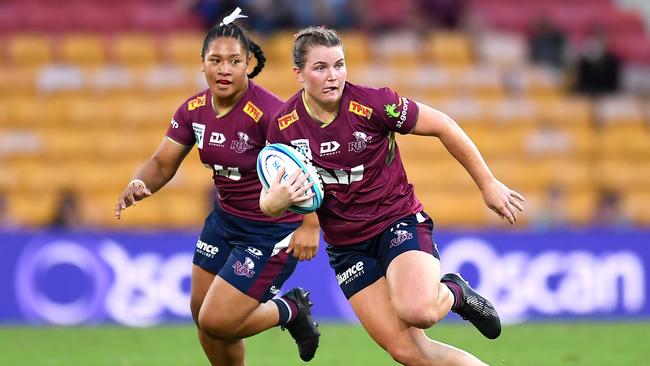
<point>310,37</point>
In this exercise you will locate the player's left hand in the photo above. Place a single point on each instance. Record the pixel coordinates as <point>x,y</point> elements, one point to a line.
<point>503,200</point>
<point>304,242</point>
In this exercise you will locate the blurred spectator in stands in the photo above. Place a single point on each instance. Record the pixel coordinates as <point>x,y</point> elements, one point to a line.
<point>332,13</point>
<point>67,215</point>
<point>447,14</point>
<point>598,69</point>
<point>547,44</point>
<point>382,16</point>
<point>7,222</point>
<point>266,16</point>
<point>552,213</point>
<point>547,139</point>
<point>608,213</point>
<point>211,11</point>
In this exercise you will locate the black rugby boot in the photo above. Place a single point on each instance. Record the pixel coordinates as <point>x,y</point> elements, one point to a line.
<point>475,308</point>
<point>303,328</point>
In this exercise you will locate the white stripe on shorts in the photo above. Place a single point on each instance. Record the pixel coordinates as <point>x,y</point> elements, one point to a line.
<point>282,244</point>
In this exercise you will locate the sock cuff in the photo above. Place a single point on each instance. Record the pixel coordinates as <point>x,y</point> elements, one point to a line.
<point>456,291</point>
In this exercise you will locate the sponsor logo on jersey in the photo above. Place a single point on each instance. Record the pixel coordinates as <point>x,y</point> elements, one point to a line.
<point>302,145</point>
<point>206,249</point>
<point>252,110</point>
<point>217,139</point>
<point>362,140</point>
<point>287,119</point>
<point>350,274</point>
<point>241,145</point>
<point>244,269</point>
<point>199,131</point>
<point>196,103</point>
<point>393,111</point>
<point>174,123</point>
<point>329,148</point>
<point>360,109</point>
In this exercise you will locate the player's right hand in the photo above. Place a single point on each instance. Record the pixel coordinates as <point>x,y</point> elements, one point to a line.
<point>133,192</point>
<point>282,194</point>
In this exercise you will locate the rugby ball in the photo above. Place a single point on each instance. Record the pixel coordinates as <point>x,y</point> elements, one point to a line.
<point>275,156</point>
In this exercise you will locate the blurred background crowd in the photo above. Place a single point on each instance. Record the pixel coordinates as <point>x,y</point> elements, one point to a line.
<point>555,93</point>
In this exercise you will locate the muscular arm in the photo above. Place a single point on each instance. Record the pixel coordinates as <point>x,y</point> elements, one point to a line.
<point>154,173</point>
<point>499,198</point>
<point>162,165</point>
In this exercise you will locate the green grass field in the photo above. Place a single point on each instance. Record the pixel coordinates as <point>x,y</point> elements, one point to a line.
<point>606,344</point>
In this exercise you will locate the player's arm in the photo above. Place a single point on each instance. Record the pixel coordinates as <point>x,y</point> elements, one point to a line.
<point>153,174</point>
<point>304,241</point>
<point>502,200</point>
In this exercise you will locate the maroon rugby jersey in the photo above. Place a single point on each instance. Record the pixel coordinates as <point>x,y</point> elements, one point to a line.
<point>229,145</point>
<point>365,184</point>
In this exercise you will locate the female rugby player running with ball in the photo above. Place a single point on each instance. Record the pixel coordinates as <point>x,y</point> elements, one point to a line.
<point>379,239</point>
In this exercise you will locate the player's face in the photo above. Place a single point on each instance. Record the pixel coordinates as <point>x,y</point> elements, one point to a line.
<point>324,73</point>
<point>225,65</point>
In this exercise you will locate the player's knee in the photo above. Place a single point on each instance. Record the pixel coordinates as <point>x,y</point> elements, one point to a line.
<point>195,309</point>
<point>217,327</point>
<point>420,315</point>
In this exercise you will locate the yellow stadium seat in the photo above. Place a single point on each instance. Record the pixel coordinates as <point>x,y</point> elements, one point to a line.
<point>619,110</point>
<point>454,209</point>
<point>83,49</point>
<point>29,49</point>
<point>622,174</point>
<point>279,80</point>
<point>635,205</point>
<point>449,48</point>
<point>355,46</point>
<point>135,49</point>
<point>18,81</point>
<point>183,48</point>
<point>23,112</point>
<point>278,49</point>
<point>511,111</point>
<point>624,140</point>
<point>182,209</point>
<point>30,211</point>
<point>566,111</point>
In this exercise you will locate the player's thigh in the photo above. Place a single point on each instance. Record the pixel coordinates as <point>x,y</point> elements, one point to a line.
<point>225,305</point>
<point>250,276</point>
<point>201,282</point>
<point>409,257</point>
<point>413,281</point>
<point>375,311</point>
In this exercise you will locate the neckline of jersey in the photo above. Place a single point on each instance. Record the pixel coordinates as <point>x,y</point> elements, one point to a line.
<point>227,110</point>
<point>313,116</point>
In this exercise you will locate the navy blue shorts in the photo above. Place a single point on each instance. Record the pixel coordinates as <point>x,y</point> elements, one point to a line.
<point>247,254</point>
<point>360,265</point>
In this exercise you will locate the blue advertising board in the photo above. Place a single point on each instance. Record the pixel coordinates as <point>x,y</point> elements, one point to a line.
<point>143,278</point>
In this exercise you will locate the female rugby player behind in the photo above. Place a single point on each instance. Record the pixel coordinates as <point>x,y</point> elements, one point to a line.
<point>242,256</point>
<point>379,240</point>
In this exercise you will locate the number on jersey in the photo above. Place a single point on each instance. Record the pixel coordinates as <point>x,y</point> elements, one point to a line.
<point>340,176</point>
<point>230,172</point>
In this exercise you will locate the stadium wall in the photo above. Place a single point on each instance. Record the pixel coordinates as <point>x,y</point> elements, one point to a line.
<point>143,278</point>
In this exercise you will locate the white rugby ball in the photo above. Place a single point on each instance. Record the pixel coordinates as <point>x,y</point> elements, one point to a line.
<point>275,156</point>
